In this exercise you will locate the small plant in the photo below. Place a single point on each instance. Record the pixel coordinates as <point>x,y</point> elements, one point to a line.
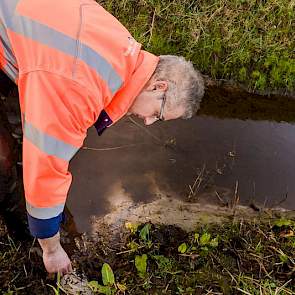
<point>141,265</point>
<point>108,279</point>
<point>58,286</point>
<point>283,222</point>
<point>132,227</point>
<point>145,232</point>
<point>144,235</point>
<point>133,246</point>
<point>165,264</point>
<point>182,248</point>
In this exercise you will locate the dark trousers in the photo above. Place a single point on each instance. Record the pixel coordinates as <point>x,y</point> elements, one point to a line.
<point>11,189</point>
<point>7,142</point>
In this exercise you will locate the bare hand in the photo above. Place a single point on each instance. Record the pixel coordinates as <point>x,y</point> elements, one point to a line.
<point>54,256</point>
<point>57,261</point>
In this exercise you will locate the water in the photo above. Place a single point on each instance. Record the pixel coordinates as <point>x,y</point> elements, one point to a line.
<point>256,157</point>
<point>234,148</point>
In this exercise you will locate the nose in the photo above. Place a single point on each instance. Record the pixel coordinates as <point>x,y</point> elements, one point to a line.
<point>150,120</point>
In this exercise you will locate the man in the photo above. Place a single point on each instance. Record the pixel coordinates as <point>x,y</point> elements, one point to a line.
<point>76,66</point>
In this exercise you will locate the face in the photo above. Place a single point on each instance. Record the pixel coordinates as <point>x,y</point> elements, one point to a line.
<point>150,104</point>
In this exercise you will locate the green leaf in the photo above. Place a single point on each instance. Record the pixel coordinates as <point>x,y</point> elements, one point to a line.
<point>196,237</point>
<point>97,288</point>
<point>205,249</point>
<point>133,246</point>
<point>56,292</point>
<point>214,242</point>
<point>107,275</point>
<point>284,258</point>
<point>283,222</point>
<point>182,248</point>
<point>122,287</point>
<point>141,264</point>
<point>132,227</point>
<point>145,232</point>
<point>205,239</point>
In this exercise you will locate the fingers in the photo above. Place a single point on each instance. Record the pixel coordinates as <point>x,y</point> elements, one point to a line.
<point>65,270</point>
<point>57,261</point>
<point>70,267</point>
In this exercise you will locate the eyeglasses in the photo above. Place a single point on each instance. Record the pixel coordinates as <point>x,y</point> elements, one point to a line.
<point>161,117</point>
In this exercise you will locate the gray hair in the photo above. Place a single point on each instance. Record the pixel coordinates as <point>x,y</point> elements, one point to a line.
<point>185,84</point>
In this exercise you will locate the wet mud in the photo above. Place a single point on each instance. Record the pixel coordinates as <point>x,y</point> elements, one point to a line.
<point>225,99</point>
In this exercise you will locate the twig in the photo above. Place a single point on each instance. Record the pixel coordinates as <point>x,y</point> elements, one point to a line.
<point>220,199</point>
<point>236,198</point>
<point>110,148</point>
<point>281,201</point>
<point>145,130</point>
<point>190,255</point>
<point>152,27</point>
<point>198,181</point>
<point>33,243</point>
<point>282,287</point>
<point>128,251</point>
<point>247,293</point>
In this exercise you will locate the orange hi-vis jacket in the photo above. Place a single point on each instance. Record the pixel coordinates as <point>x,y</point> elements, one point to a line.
<point>75,66</point>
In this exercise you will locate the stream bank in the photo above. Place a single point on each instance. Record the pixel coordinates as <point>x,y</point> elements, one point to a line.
<point>237,256</point>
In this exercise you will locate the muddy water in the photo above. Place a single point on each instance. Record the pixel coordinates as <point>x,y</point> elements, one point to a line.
<point>193,160</point>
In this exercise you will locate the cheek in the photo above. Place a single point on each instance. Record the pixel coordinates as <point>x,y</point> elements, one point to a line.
<point>144,110</point>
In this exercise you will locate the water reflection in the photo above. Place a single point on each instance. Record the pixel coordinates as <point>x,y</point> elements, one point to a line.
<point>256,155</point>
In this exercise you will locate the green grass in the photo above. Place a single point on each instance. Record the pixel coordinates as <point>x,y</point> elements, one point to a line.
<point>248,41</point>
<point>233,258</point>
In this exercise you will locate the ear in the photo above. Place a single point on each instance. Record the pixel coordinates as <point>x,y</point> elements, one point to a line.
<point>158,85</point>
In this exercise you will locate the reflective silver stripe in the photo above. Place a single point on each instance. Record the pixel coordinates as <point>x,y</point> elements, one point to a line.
<point>6,44</point>
<point>52,38</point>
<point>11,72</point>
<point>49,144</point>
<point>44,213</point>
<point>102,67</point>
<point>9,68</point>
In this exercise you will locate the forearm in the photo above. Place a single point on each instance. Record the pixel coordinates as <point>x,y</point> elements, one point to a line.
<point>50,245</point>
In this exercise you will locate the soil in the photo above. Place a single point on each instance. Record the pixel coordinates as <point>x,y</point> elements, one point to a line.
<point>226,258</point>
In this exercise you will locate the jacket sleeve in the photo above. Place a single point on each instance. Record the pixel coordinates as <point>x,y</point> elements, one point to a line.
<point>56,113</point>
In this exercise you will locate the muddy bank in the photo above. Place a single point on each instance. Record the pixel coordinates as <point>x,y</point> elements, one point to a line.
<point>185,215</point>
<point>227,99</point>
<point>233,258</point>
<point>236,257</point>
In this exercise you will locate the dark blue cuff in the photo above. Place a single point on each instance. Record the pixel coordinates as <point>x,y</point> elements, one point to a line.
<point>102,122</point>
<point>44,228</point>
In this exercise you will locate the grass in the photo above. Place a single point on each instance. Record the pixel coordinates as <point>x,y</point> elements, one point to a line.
<point>21,269</point>
<point>233,258</point>
<point>255,257</point>
<point>248,41</point>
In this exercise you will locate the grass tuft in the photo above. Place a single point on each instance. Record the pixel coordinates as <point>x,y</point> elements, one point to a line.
<point>248,41</point>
